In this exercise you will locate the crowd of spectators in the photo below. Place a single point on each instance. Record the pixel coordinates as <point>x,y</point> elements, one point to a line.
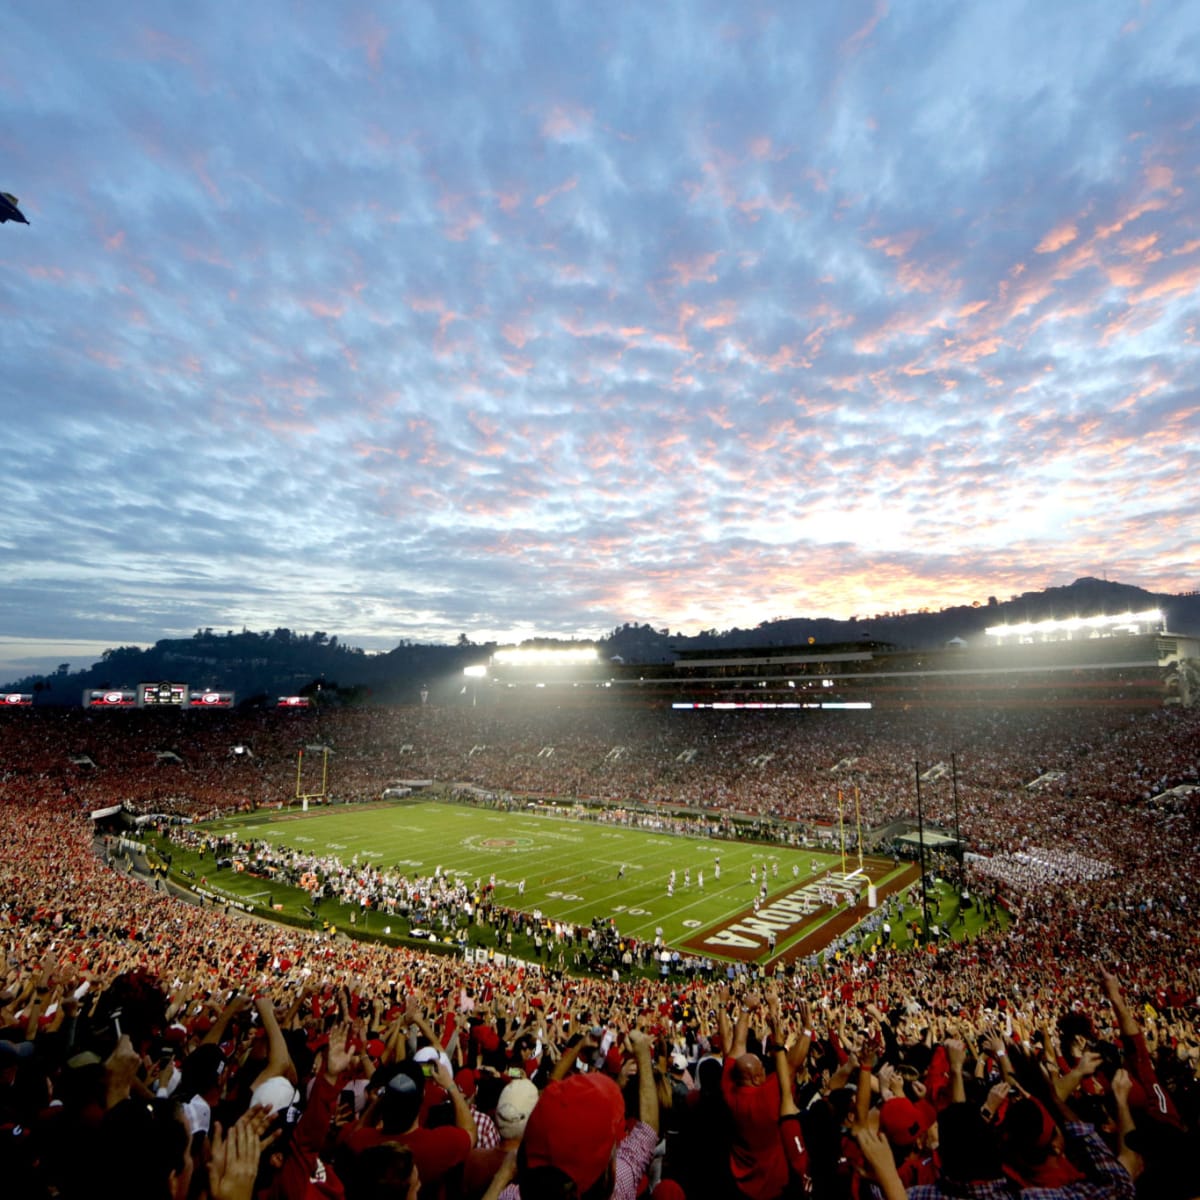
<point>149,1047</point>
<point>786,766</point>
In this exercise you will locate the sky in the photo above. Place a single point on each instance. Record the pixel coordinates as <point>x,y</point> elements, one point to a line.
<point>516,319</point>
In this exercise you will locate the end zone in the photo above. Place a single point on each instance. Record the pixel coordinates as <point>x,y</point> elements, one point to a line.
<point>749,935</point>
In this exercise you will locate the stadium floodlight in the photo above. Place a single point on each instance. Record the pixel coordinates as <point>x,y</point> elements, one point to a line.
<point>574,657</point>
<point>474,674</point>
<point>1150,620</point>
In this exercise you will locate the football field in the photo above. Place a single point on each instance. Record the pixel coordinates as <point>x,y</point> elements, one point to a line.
<point>578,870</point>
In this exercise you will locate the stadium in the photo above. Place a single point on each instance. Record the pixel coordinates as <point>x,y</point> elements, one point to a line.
<point>928,874</point>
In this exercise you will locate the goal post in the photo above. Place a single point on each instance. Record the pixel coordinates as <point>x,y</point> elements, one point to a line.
<point>304,786</point>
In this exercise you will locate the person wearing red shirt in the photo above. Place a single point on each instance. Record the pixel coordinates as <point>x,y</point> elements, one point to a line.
<point>757,1154</point>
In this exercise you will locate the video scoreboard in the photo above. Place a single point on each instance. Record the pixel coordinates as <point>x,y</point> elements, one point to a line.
<point>110,698</point>
<point>162,695</point>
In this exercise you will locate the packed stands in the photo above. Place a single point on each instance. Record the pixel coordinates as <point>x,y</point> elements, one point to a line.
<point>145,1041</point>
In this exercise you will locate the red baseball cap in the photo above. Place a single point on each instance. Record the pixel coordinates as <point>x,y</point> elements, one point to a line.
<point>902,1121</point>
<point>575,1127</point>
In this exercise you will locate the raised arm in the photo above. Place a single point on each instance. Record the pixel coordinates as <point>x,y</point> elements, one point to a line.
<point>639,1043</point>
<point>279,1060</point>
<point>464,1118</point>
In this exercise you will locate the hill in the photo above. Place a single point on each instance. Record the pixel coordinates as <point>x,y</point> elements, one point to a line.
<point>258,667</point>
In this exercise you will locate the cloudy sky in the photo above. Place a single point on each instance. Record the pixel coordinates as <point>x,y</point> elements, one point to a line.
<point>419,319</point>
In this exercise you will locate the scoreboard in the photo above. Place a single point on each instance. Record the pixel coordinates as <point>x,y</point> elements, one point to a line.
<point>16,699</point>
<point>179,696</point>
<point>162,695</point>
<point>148,695</point>
<point>293,702</point>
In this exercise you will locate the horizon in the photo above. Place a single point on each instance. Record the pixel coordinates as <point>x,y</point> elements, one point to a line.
<point>46,664</point>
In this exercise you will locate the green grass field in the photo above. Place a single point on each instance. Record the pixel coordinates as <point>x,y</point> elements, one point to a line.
<point>572,870</point>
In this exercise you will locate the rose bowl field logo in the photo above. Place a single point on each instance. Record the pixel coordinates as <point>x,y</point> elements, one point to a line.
<point>478,842</point>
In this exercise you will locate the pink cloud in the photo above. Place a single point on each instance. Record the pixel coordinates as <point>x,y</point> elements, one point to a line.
<point>760,147</point>
<point>105,358</point>
<point>984,348</point>
<point>1125,275</point>
<point>1028,296</point>
<point>568,185</point>
<point>859,38</point>
<point>722,318</point>
<point>921,277</point>
<point>370,450</point>
<point>565,121</point>
<point>459,229</point>
<point>1141,245</point>
<point>783,358</point>
<point>1159,178</point>
<point>458,219</point>
<point>753,207</point>
<point>1134,213</point>
<point>1129,323</point>
<point>897,246</point>
<point>969,310</point>
<point>1185,280</point>
<point>677,341</point>
<point>699,269</point>
<point>293,419</point>
<point>54,274</point>
<point>323,308</point>
<point>819,179</point>
<point>517,364</point>
<point>1057,238</point>
<point>425,304</point>
<point>302,387</point>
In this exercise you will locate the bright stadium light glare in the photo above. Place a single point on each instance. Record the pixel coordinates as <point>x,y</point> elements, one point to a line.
<point>1149,620</point>
<point>576,656</point>
<point>476,672</point>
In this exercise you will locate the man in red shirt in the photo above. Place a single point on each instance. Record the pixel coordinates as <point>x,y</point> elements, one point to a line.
<point>397,1109</point>
<point>757,1157</point>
